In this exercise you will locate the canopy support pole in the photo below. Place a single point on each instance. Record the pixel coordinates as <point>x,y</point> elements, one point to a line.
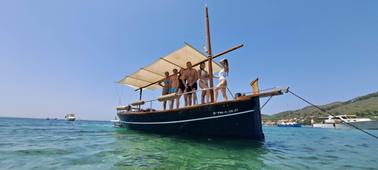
<point>171,63</point>
<point>140,96</point>
<point>210,57</point>
<point>140,93</point>
<point>152,72</point>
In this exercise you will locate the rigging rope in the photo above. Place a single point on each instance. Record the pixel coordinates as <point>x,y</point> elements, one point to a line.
<point>230,92</point>
<point>325,111</point>
<point>266,102</point>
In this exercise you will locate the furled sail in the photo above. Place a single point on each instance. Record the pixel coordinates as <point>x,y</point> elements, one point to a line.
<point>148,76</point>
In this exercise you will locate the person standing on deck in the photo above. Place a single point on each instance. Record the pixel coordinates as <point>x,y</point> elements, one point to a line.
<point>166,88</point>
<point>191,77</point>
<point>181,88</point>
<point>222,84</point>
<point>174,88</point>
<point>204,83</point>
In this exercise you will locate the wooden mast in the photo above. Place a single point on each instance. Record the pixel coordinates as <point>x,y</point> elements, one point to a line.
<point>210,57</point>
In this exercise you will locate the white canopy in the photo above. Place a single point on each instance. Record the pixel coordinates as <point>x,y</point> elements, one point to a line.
<point>155,71</point>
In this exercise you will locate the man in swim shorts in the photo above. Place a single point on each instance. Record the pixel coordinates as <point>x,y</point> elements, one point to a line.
<point>191,77</point>
<point>174,79</point>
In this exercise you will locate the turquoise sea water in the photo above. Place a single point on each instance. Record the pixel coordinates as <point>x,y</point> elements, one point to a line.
<point>57,144</point>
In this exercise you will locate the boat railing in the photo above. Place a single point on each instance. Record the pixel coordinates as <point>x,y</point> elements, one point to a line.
<point>167,97</point>
<point>173,96</point>
<point>138,104</point>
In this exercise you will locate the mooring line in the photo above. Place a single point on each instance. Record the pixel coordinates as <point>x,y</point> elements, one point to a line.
<point>325,111</point>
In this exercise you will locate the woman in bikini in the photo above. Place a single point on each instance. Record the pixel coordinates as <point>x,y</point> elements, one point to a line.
<point>222,84</point>
<point>166,88</point>
<point>204,83</point>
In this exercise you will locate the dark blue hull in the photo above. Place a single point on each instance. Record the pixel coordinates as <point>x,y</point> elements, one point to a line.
<point>232,119</point>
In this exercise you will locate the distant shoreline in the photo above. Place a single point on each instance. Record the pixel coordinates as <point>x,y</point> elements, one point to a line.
<point>10,117</point>
<point>362,106</point>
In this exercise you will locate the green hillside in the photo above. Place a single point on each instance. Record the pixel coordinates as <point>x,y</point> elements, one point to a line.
<point>363,106</point>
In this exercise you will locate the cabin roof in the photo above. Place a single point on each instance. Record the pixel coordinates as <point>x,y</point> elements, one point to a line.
<point>148,76</point>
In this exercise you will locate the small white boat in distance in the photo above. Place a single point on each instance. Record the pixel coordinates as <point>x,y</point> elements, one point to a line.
<point>70,117</point>
<point>338,122</point>
<point>288,123</point>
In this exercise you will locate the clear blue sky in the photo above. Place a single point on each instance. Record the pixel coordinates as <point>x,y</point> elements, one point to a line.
<point>64,56</point>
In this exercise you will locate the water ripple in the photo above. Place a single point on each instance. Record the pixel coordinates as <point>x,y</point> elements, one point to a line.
<point>96,145</point>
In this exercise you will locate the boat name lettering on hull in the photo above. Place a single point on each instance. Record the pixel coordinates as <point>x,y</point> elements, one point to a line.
<point>225,112</point>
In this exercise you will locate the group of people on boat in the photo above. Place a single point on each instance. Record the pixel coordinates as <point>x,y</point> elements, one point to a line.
<point>186,81</point>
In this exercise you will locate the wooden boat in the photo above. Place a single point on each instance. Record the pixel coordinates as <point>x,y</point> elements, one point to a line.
<point>236,118</point>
